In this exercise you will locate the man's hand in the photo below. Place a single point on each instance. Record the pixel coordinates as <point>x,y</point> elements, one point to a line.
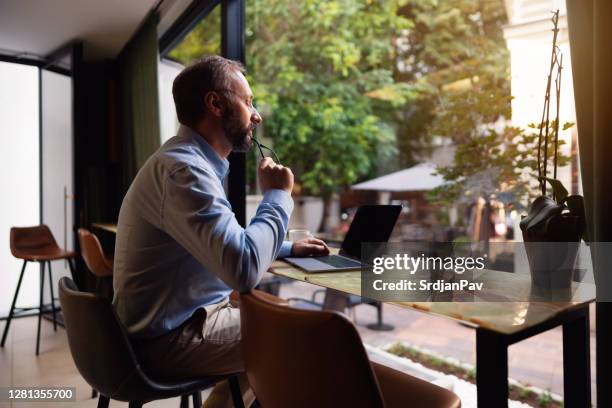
<point>274,176</point>
<point>309,246</point>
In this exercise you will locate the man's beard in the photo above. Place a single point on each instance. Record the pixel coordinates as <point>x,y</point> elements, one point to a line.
<point>235,132</point>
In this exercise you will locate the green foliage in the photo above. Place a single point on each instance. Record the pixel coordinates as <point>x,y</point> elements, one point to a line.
<point>494,163</point>
<point>462,43</point>
<point>457,52</point>
<point>204,39</point>
<point>545,398</point>
<point>353,89</point>
<point>400,349</point>
<point>322,74</point>
<point>524,393</point>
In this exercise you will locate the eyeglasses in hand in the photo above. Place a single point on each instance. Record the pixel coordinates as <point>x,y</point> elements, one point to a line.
<point>261,147</point>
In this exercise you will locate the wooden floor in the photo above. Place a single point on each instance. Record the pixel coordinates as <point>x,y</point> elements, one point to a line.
<point>19,366</point>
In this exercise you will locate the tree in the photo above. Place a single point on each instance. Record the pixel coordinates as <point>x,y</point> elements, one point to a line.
<point>470,79</point>
<point>203,39</point>
<point>451,43</point>
<point>323,76</point>
<point>458,50</point>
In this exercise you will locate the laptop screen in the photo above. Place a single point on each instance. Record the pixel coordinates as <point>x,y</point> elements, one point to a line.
<point>372,223</point>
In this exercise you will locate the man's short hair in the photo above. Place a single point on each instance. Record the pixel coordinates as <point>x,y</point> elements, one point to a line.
<point>211,73</point>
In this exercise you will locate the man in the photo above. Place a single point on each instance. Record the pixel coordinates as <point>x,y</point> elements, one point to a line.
<point>180,250</point>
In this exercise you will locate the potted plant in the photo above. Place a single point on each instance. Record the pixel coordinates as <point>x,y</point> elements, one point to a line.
<point>556,221</point>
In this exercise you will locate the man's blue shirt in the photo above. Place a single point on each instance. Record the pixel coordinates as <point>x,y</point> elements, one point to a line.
<point>179,246</point>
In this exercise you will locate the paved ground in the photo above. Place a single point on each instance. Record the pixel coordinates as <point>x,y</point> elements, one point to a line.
<point>537,361</point>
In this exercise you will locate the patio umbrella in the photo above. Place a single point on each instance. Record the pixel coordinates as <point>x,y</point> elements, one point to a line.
<point>421,177</point>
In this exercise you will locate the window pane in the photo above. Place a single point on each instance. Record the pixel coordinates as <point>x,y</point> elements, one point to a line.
<point>57,162</point>
<point>19,174</point>
<point>204,39</point>
<point>416,92</point>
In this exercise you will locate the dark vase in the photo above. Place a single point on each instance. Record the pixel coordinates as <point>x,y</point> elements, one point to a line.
<point>552,249</point>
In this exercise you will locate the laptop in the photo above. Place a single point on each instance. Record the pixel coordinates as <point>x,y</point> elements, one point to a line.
<point>372,223</point>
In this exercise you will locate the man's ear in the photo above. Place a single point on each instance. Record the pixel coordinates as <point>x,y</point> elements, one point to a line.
<point>213,103</point>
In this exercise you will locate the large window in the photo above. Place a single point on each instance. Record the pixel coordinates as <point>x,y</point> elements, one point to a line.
<point>36,172</point>
<point>355,91</point>
<point>407,102</point>
<point>19,173</point>
<point>57,167</point>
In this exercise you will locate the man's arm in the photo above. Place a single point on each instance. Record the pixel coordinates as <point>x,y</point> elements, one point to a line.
<point>303,247</point>
<point>197,215</point>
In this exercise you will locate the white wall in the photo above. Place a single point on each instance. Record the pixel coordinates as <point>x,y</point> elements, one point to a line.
<point>19,176</point>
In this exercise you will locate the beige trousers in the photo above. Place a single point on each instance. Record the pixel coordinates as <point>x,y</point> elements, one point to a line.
<point>207,344</point>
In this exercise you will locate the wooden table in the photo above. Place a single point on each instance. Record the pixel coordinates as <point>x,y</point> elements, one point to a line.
<point>498,325</point>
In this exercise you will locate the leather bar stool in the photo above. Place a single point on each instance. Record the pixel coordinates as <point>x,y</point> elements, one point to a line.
<point>102,353</point>
<point>36,244</point>
<point>304,358</point>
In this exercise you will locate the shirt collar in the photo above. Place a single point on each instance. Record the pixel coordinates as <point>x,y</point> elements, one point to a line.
<point>219,164</point>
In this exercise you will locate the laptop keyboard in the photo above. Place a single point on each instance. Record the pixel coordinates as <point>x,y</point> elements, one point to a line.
<point>337,261</point>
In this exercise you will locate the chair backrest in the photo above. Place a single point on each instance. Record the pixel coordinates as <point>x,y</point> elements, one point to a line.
<point>37,239</point>
<point>92,253</point>
<point>99,345</point>
<point>302,358</point>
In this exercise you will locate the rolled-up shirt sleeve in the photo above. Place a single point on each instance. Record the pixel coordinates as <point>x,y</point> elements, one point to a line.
<point>285,249</point>
<point>197,214</point>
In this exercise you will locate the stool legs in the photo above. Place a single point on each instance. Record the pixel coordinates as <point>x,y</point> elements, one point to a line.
<point>52,296</point>
<point>10,316</point>
<point>40,305</point>
<point>71,266</point>
<point>103,401</point>
<point>236,393</point>
<point>197,399</point>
